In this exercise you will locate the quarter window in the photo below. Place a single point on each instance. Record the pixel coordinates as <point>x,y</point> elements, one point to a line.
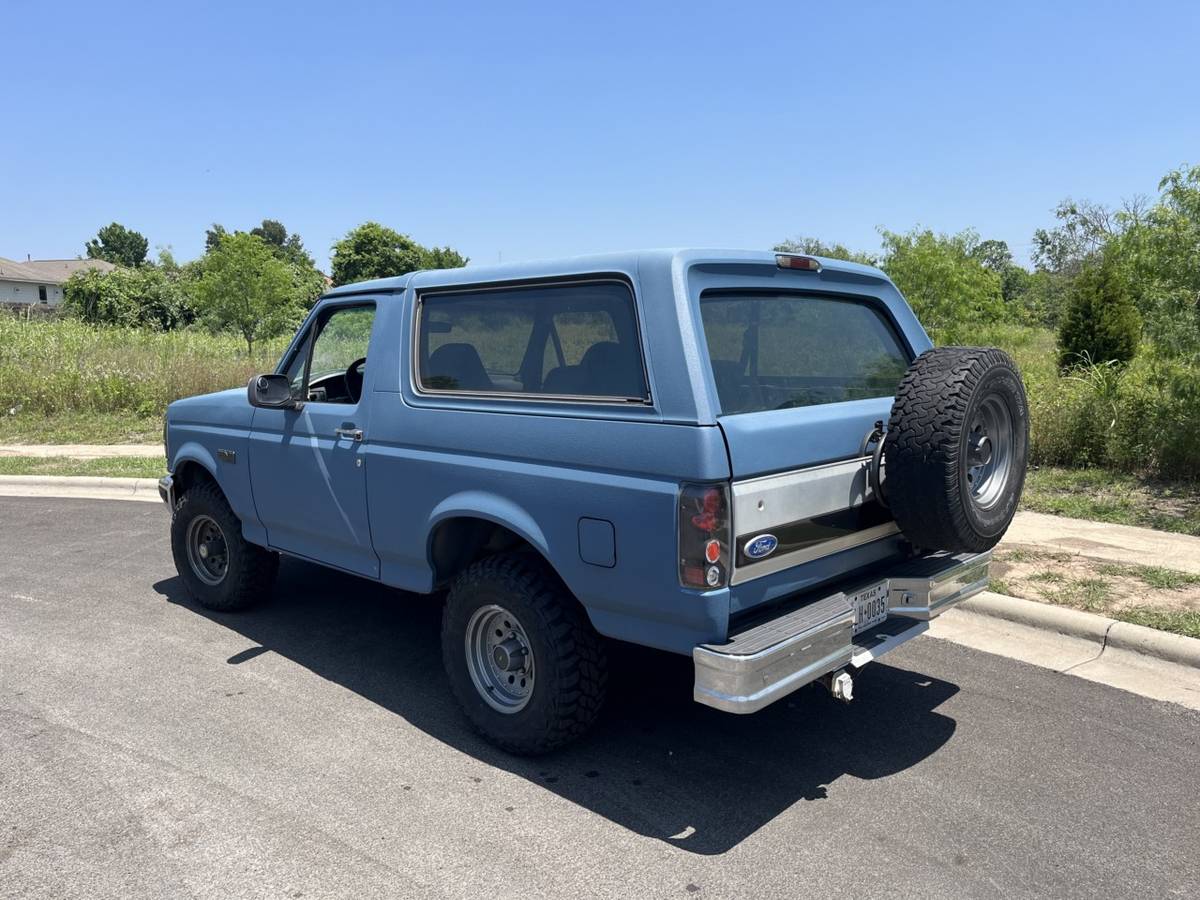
<point>570,340</point>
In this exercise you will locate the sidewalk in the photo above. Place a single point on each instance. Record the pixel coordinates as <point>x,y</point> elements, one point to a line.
<point>81,451</point>
<point>1101,540</point>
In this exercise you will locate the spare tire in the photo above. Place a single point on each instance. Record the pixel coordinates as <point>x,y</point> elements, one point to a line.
<point>955,449</point>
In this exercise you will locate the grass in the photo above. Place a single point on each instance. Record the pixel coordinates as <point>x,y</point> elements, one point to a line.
<point>1139,418</point>
<point>1090,594</point>
<point>1185,622</point>
<point>1158,577</point>
<point>109,466</point>
<point>1154,596</point>
<point>1103,495</point>
<point>80,428</point>
<point>64,368</point>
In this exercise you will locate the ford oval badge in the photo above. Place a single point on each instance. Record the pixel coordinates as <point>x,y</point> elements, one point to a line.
<point>761,547</point>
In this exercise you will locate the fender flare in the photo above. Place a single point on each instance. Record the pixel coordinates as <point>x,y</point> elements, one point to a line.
<point>490,507</point>
<point>195,452</point>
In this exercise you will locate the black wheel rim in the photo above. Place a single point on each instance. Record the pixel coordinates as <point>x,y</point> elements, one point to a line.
<point>207,551</point>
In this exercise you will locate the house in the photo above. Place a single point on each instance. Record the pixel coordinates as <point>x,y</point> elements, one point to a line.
<point>38,282</point>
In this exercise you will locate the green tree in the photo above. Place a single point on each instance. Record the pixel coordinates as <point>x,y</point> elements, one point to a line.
<point>308,283</point>
<point>144,297</point>
<point>288,247</point>
<point>118,245</point>
<point>1101,324</point>
<point>944,281</point>
<point>272,232</point>
<point>1015,282</point>
<point>242,285</point>
<point>443,258</point>
<point>212,237</point>
<point>1084,230</point>
<point>810,246</point>
<point>374,251</point>
<point>1161,246</point>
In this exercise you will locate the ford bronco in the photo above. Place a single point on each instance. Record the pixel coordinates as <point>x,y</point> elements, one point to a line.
<point>755,459</point>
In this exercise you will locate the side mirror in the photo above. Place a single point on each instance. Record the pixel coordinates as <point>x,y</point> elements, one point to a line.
<point>271,392</point>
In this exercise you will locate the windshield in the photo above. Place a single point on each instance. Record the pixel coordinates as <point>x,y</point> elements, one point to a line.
<point>780,351</point>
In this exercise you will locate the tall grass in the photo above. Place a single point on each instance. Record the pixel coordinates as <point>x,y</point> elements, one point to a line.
<point>1143,418</point>
<point>60,366</point>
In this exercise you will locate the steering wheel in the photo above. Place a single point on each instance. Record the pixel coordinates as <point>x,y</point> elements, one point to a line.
<point>354,379</point>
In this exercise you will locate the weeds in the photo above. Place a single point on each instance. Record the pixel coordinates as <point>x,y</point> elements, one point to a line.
<point>56,367</point>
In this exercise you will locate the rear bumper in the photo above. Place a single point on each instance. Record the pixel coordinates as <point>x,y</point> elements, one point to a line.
<point>814,636</point>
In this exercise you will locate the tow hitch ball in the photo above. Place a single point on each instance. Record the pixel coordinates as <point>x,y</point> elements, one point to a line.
<point>840,685</point>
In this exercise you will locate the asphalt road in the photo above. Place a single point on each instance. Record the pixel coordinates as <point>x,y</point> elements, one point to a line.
<point>310,749</point>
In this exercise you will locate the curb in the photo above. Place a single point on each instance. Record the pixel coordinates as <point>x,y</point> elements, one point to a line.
<point>80,487</point>
<point>1108,633</point>
<point>1173,648</point>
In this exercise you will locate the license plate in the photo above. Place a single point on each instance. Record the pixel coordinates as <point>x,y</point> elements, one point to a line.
<point>870,606</point>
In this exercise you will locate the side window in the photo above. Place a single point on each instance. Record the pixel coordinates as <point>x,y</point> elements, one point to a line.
<point>573,333</point>
<point>330,367</point>
<point>570,340</point>
<point>476,342</point>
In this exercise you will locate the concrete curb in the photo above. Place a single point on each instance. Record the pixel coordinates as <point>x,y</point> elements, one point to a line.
<point>1109,633</point>
<point>79,487</point>
<point>1173,648</point>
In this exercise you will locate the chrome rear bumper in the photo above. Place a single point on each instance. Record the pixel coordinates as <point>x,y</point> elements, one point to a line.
<point>771,657</point>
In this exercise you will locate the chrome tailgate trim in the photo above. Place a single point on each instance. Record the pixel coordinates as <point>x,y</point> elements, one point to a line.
<point>774,564</point>
<point>760,504</point>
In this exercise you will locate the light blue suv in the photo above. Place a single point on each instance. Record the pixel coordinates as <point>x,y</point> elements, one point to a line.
<point>755,459</point>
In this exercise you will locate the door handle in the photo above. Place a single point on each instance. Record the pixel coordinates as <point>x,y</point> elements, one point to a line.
<point>355,434</point>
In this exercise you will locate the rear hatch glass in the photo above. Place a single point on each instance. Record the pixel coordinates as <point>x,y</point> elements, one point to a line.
<point>772,351</point>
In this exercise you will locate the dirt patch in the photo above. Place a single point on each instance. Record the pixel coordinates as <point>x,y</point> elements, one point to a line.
<point>1094,585</point>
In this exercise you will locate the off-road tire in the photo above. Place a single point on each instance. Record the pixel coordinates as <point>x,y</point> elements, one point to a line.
<point>251,570</point>
<point>571,667</point>
<point>926,450</point>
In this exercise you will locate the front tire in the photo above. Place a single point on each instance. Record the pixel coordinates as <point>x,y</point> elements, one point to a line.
<point>524,662</point>
<point>221,569</point>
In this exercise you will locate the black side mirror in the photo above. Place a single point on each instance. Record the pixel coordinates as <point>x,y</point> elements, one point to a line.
<point>271,392</point>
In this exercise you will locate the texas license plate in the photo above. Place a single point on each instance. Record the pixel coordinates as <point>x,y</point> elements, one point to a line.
<point>870,606</point>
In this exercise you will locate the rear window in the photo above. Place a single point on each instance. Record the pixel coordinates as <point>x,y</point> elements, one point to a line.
<point>571,340</point>
<point>780,351</point>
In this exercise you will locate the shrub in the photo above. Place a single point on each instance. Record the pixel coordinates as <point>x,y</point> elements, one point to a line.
<point>1139,417</point>
<point>145,296</point>
<point>1102,324</point>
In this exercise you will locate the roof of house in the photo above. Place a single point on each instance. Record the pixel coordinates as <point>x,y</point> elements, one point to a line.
<point>48,271</point>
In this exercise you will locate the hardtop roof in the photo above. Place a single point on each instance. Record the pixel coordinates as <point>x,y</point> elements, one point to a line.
<point>627,262</point>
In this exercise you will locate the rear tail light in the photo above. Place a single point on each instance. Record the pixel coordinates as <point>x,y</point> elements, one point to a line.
<point>704,535</point>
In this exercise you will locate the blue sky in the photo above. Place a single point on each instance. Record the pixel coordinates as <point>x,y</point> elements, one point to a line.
<point>519,131</point>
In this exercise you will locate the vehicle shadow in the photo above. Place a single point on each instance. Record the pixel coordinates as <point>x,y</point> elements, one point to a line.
<point>657,763</point>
